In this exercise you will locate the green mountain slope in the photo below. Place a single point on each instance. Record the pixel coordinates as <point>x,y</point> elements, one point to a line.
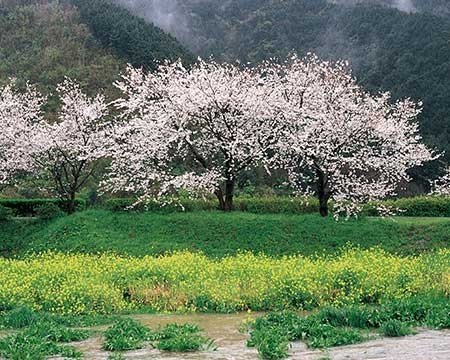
<point>90,41</point>
<point>43,43</point>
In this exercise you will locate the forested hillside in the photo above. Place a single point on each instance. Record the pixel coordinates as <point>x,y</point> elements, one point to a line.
<point>44,43</point>
<point>91,41</point>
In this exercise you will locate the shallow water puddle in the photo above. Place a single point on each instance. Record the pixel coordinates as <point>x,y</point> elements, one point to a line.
<point>224,329</point>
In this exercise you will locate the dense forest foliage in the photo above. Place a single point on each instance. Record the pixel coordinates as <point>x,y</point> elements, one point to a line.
<point>44,43</point>
<point>130,37</point>
<point>91,41</point>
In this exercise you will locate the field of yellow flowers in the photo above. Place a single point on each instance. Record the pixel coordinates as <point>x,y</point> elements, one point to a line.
<point>84,284</point>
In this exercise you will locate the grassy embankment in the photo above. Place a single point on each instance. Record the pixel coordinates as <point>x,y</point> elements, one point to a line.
<point>218,234</point>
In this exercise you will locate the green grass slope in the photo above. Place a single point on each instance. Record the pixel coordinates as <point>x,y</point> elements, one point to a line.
<point>218,234</point>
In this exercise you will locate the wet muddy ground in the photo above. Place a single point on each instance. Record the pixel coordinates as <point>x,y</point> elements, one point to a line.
<point>224,329</point>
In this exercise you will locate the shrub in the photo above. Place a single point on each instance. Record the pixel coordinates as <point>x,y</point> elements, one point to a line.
<point>125,334</point>
<point>422,206</point>
<point>5,214</point>
<point>27,207</point>
<point>48,211</point>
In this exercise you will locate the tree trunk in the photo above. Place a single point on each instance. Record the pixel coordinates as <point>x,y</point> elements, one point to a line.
<point>226,199</point>
<point>220,197</point>
<point>229,193</point>
<point>323,191</point>
<point>71,206</point>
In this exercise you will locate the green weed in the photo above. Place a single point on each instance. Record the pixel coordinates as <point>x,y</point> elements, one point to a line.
<point>181,338</point>
<point>395,328</point>
<point>125,334</point>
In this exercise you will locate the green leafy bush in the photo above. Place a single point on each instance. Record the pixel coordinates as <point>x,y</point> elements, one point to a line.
<point>48,211</point>
<point>181,338</point>
<point>28,207</point>
<point>125,334</point>
<point>5,214</point>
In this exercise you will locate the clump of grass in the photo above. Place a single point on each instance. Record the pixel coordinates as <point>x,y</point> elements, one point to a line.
<point>325,336</point>
<point>23,316</point>
<point>57,333</point>
<point>39,341</point>
<point>332,326</point>
<point>18,318</point>
<point>351,316</point>
<point>395,328</point>
<point>126,334</point>
<point>271,334</point>
<point>182,338</point>
<point>271,343</point>
<point>116,356</point>
<point>183,343</point>
<point>39,335</point>
<point>171,331</point>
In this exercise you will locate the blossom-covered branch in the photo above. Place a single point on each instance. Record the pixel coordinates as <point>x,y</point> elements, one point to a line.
<point>67,151</point>
<point>193,129</point>
<point>341,142</point>
<point>20,112</point>
<point>442,185</point>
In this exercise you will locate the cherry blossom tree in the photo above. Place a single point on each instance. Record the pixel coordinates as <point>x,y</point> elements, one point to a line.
<point>67,151</point>
<point>192,129</point>
<point>20,112</point>
<point>442,185</point>
<point>340,142</point>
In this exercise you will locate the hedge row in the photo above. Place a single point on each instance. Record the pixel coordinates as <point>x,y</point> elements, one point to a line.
<point>425,206</point>
<point>29,207</point>
<point>417,206</point>
<point>258,205</point>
